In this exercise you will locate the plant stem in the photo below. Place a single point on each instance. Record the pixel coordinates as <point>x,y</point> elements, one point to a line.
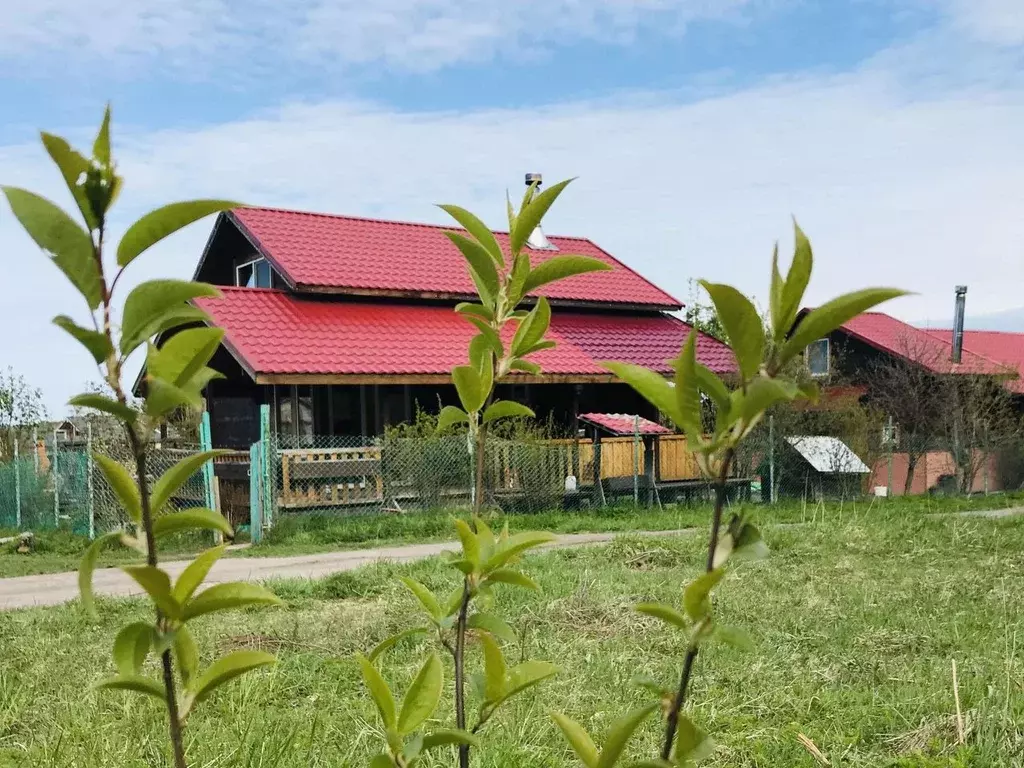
<point>460,677</point>
<point>672,722</point>
<point>481,443</point>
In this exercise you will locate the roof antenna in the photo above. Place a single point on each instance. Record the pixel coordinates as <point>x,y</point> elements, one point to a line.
<point>958,323</point>
<point>537,239</point>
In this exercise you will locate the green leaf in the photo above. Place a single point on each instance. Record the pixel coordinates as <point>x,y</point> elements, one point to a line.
<point>226,669</point>
<point>712,385</point>
<point>531,214</point>
<point>149,302</point>
<point>185,314</point>
<point>749,544</point>
<point>379,691</point>
<point>696,595</point>
<point>422,697</point>
<point>665,613</point>
<point>158,586</point>
<point>94,341</point>
<point>490,336</point>
<point>481,265</point>
<point>162,398</point>
<point>192,519</point>
<point>68,245</point>
<point>532,329</point>
<point>86,568</point>
<point>106,405</point>
<point>820,322</point>
<point>692,743</point>
<point>578,739</point>
<point>412,749</point>
<point>475,310</point>
<point>561,267</point>
<point>73,167</point>
<point>187,654</point>
<point>514,546</point>
<point>175,477</point>
<point>762,393</point>
<point>488,622</point>
<point>390,642</point>
<point>742,325</point>
<point>477,229</point>
<point>733,636</point>
<point>382,761</point>
<point>506,409</point>
<point>494,668</point>
<point>122,484</point>
<point>101,146</point>
<point>526,675</point>
<point>687,392</point>
<point>225,597</point>
<point>508,576</point>
<point>621,732</point>
<point>775,298</point>
<point>184,354</point>
<point>131,647</point>
<point>796,283</point>
<point>652,386</point>
<point>516,280</point>
<point>164,221</point>
<point>136,683</point>
<point>470,545</point>
<point>195,572</point>
<point>443,737</point>
<point>450,416</point>
<point>525,366</point>
<point>470,386</point>
<point>425,596</point>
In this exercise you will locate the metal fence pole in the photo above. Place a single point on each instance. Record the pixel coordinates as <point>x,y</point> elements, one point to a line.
<point>56,483</point>
<point>771,459</point>
<point>35,449</point>
<point>17,481</point>
<point>88,474</point>
<point>269,468</point>
<point>636,461</point>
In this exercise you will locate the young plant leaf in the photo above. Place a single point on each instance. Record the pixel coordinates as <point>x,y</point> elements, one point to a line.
<point>532,212</point>
<point>157,585</point>
<point>379,691</point>
<point>382,761</point>
<point>97,343</point>
<point>450,416</point>
<point>474,310</point>
<point>490,336</point>
<point>136,683</point>
<point>184,314</point>
<point>578,739</point>
<point>516,545</point>
<point>477,229</point>
<point>733,636</point>
<point>652,386</point>
<point>509,576</point>
<point>494,668</point>
<point>443,737</point>
<point>692,743</point>
<point>175,477</point>
<point>696,595</point>
<point>481,264</point>
<point>797,278</point>
<point>559,268</point>
<point>68,245</point>
<point>749,544</point>
<point>226,597</point>
<point>226,669</point>
<point>390,642</point>
<point>105,405</point>
<point>186,653</point>
<point>687,390</point>
<point>86,568</point>
<point>422,697</point>
<point>775,298</point>
<point>526,675</point>
<point>665,613</point>
<point>122,484</point>
<point>621,732</point>
<point>506,409</point>
<point>73,167</point>
<point>469,385</point>
<point>426,598</point>
<point>525,366</point>
<point>762,394</point>
<point>192,519</point>
<point>131,647</point>
<point>149,302</point>
<point>532,329</point>
<point>162,398</point>
<point>488,622</point>
<point>195,572</point>
<point>164,221</point>
<point>184,354</point>
<point>742,324</point>
<point>470,544</point>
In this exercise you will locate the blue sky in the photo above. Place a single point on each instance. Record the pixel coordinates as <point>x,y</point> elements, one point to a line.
<point>890,128</point>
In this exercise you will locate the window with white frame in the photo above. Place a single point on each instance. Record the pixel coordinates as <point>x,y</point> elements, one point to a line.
<point>817,356</point>
<point>256,273</point>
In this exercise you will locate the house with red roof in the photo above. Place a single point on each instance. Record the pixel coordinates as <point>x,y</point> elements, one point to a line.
<point>345,325</point>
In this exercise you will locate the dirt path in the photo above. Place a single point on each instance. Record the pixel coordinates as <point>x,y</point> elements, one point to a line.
<point>57,588</point>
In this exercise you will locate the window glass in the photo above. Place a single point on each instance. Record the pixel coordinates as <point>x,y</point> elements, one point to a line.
<point>243,275</point>
<point>305,413</point>
<point>262,274</point>
<point>817,357</point>
<point>345,410</point>
<point>285,414</point>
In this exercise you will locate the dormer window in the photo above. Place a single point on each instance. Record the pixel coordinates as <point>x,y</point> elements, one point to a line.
<point>256,273</point>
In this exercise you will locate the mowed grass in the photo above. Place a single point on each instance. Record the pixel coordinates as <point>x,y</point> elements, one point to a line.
<point>297,534</point>
<point>855,623</point>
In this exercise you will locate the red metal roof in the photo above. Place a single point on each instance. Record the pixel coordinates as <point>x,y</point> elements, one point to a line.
<point>274,332</point>
<point>624,424</point>
<point>339,253</point>
<point>1004,347</point>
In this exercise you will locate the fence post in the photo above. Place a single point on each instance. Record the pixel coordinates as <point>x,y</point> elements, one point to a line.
<point>88,472</point>
<point>206,444</point>
<point>35,449</point>
<point>771,459</point>
<point>255,491</point>
<point>56,483</point>
<point>268,468</point>
<point>636,461</point>
<point>17,481</point>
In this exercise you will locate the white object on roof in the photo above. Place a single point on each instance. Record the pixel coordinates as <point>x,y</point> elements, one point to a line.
<point>828,455</point>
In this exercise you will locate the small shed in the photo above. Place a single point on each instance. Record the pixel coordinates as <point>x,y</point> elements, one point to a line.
<point>640,479</point>
<point>825,465</point>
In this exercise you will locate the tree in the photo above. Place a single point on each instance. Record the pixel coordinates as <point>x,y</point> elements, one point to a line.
<point>21,409</point>
<point>977,420</point>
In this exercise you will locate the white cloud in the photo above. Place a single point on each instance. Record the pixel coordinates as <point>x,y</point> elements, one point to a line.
<point>893,188</point>
<point>992,21</point>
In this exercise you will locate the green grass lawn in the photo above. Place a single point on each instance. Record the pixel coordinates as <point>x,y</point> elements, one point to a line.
<point>855,623</point>
<point>293,534</point>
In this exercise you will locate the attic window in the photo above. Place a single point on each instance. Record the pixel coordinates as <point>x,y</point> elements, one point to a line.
<point>256,273</point>
<point>817,355</point>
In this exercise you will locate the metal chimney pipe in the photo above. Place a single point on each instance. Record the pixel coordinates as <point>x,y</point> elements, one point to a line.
<point>958,323</point>
<point>534,178</point>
